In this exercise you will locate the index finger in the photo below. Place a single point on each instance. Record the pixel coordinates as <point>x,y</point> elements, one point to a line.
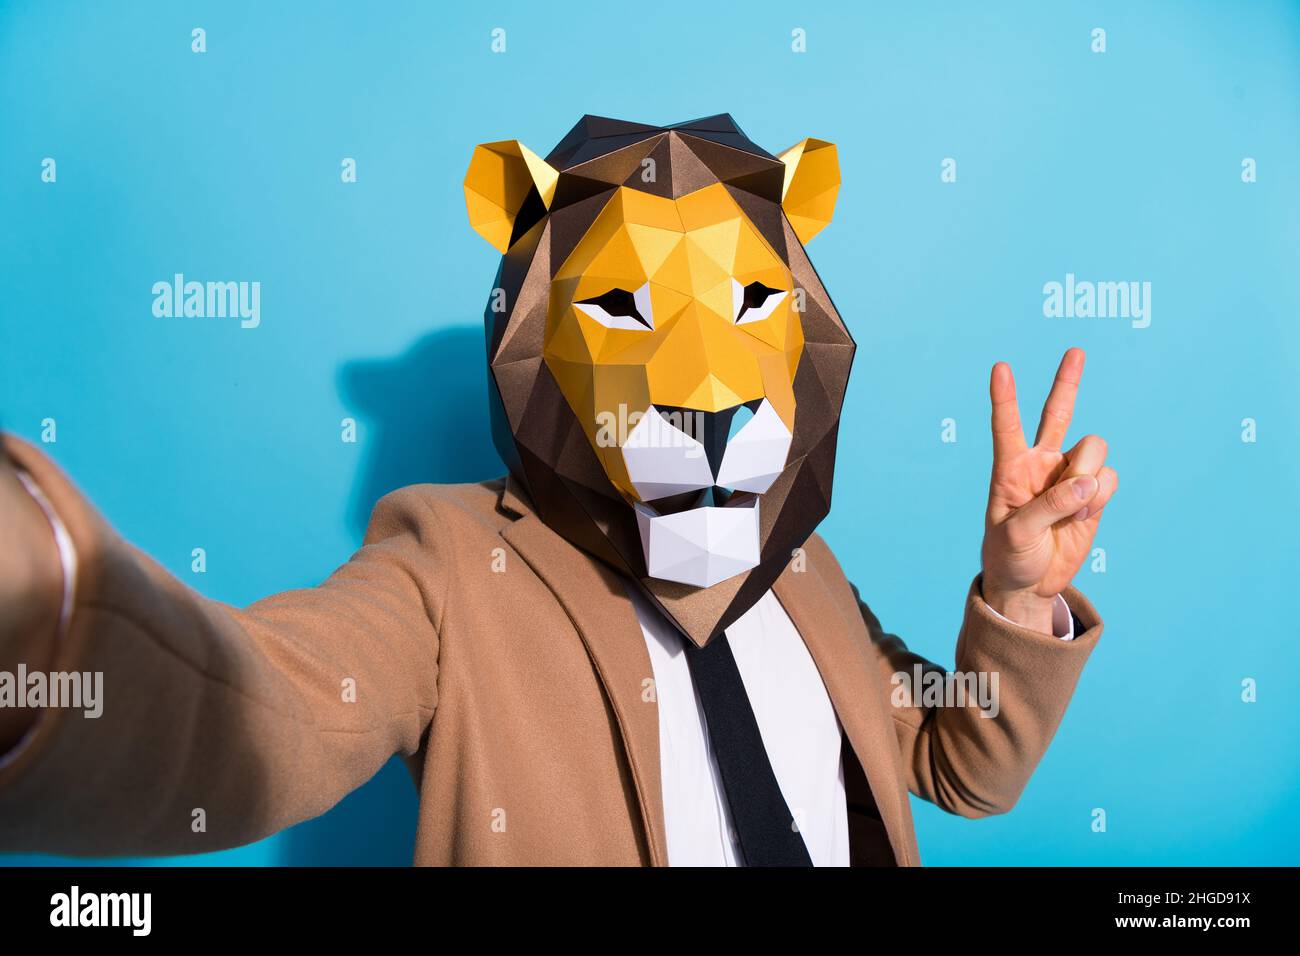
<point>1008,436</point>
<point>1059,407</point>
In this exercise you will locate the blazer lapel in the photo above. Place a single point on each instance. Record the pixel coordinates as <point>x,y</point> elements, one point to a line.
<point>842,653</point>
<point>596,601</point>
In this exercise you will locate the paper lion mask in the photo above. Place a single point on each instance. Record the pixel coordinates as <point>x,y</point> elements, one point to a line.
<point>666,368</point>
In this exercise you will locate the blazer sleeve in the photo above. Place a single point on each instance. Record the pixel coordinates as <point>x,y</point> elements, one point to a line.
<point>957,758</point>
<point>220,726</point>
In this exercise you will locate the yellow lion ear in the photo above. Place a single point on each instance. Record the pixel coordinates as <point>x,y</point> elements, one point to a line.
<point>500,178</point>
<point>812,181</point>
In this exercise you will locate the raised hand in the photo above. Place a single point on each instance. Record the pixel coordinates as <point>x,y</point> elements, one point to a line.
<point>1044,505</point>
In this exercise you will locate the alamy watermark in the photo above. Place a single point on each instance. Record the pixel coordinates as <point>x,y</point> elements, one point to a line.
<point>73,690</point>
<point>133,911</point>
<point>923,687</point>
<point>684,429</point>
<point>208,300</point>
<point>1084,299</point>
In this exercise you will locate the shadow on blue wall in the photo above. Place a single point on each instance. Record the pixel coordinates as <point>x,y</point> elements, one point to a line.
<point>423,417</point>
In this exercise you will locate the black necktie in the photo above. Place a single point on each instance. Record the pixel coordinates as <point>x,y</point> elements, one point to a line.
<point>764,824</point>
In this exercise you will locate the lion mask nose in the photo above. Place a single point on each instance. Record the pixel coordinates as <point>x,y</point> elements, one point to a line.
<point>711,429</point>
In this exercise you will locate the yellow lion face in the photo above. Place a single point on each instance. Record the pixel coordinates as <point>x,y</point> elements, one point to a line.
<point>667,369</point>
<point>676,305</point>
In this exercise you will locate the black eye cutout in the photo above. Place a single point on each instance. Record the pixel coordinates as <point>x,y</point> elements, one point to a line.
<point>617,302</point>
<point>755,295</point>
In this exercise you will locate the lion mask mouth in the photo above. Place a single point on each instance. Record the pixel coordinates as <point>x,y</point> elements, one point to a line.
<point>699,476</point>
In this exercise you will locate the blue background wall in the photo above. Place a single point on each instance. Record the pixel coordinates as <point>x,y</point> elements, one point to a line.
<point>1119,166</point>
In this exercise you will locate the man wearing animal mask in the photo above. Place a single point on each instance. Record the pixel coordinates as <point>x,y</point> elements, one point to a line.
<point>633,649</point>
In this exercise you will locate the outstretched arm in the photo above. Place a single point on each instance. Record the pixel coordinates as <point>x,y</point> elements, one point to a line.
<point>219,726</point>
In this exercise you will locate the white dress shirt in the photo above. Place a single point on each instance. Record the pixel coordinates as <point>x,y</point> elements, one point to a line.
<point>801,734</point>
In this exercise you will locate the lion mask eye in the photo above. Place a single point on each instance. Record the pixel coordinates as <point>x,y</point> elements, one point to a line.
<point>754,302</point>
<point>620,309</point>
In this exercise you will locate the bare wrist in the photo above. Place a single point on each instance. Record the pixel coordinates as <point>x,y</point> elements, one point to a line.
<point>1026,608</point>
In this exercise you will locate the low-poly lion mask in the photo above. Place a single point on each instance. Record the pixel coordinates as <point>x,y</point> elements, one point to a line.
<point>667,369</point>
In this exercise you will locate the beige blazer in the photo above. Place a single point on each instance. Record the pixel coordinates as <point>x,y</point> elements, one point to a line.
<point>506,666</point>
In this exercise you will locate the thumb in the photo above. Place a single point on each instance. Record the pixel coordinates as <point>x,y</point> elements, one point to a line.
<point>1063,500</point>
